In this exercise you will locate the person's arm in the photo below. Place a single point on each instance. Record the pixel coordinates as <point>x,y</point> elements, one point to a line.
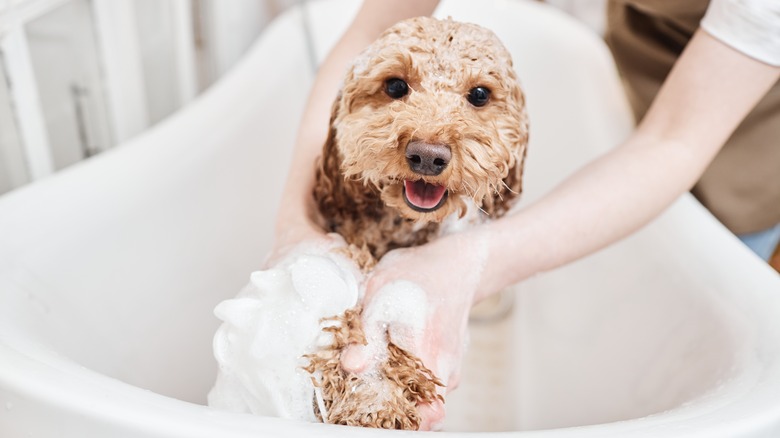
<point>294,219</point>
<point>709,91</point>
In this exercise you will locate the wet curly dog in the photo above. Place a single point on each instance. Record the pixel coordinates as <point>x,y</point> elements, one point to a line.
<point>430,124</point>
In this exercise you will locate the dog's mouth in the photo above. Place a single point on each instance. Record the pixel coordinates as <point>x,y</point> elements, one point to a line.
<point>424,197</point>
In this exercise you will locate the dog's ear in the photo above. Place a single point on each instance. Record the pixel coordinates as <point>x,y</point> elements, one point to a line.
<point>340,200</point>
<point>513,186</point>
<point>328,177</point>
<point>517,139</point>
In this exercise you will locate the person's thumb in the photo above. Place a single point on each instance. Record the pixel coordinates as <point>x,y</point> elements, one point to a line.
<point>355,358</point>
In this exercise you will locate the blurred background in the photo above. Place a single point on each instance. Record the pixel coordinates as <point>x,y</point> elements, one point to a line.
<point>78,77</point>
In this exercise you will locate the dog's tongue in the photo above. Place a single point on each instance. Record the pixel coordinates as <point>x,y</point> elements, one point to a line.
<point>423,195</point>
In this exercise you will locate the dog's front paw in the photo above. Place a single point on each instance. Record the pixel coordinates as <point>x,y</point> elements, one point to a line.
<point>389,396</point>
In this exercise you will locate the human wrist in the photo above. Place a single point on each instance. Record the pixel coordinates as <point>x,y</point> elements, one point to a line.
<point>503,263</point>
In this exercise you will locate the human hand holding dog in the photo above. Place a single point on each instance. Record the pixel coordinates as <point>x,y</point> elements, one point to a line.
<point>446,275</point>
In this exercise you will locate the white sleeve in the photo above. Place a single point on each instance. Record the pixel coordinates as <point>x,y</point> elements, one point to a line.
<point>750,26</point>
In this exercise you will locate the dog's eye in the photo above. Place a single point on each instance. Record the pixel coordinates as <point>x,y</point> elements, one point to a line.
<point>396,88</point>
<point>479,96</point>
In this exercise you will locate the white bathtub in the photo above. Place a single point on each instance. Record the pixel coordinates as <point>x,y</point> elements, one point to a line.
<point>109,271</point>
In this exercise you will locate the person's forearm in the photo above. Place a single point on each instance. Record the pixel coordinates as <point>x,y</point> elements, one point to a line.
<point>708,93</point>
<point>372,19</point>
<point>313,128</point>
<point>600,204</point>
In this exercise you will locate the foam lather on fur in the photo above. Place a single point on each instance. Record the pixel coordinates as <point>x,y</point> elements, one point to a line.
<point>281,339</point>
<point>274,321</point>
<point>385,397</point>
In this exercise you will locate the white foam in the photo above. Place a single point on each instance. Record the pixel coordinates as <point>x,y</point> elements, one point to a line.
<point>402,307</point>
<point>273,321</point>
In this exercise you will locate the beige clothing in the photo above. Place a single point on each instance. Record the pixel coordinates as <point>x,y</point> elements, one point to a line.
<point>742,185</point>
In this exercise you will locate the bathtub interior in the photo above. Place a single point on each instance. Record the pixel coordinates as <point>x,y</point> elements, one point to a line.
<point>116,265</point>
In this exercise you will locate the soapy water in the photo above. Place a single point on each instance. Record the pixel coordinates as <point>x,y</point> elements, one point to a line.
<point>278,318</point>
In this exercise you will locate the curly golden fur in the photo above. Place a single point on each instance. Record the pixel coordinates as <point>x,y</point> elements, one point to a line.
<point>388,400</point>
<point>400,158</point>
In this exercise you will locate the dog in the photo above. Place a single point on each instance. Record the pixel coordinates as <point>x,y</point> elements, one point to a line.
<point>430,124</point>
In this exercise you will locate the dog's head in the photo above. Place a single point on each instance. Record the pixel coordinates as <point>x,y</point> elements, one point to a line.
<point>429,114</point>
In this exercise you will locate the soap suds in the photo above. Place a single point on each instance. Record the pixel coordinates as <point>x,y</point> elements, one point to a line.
<point>400,307</point>
<point>279,317</point>
<point>271,324</point>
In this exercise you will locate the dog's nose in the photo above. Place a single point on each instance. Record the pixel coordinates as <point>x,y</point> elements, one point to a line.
<point>427,159</point>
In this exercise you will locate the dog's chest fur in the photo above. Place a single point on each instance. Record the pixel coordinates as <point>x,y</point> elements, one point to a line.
<point>358,214</point>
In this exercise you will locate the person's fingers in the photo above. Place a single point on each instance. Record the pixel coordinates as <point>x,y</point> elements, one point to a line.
<point>355,358</point>
<point>431,415</point>
<point>405,337</point>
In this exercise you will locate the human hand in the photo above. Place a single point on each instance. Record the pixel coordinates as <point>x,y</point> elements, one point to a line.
<point>297,232</point>
<point>420,299</point>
